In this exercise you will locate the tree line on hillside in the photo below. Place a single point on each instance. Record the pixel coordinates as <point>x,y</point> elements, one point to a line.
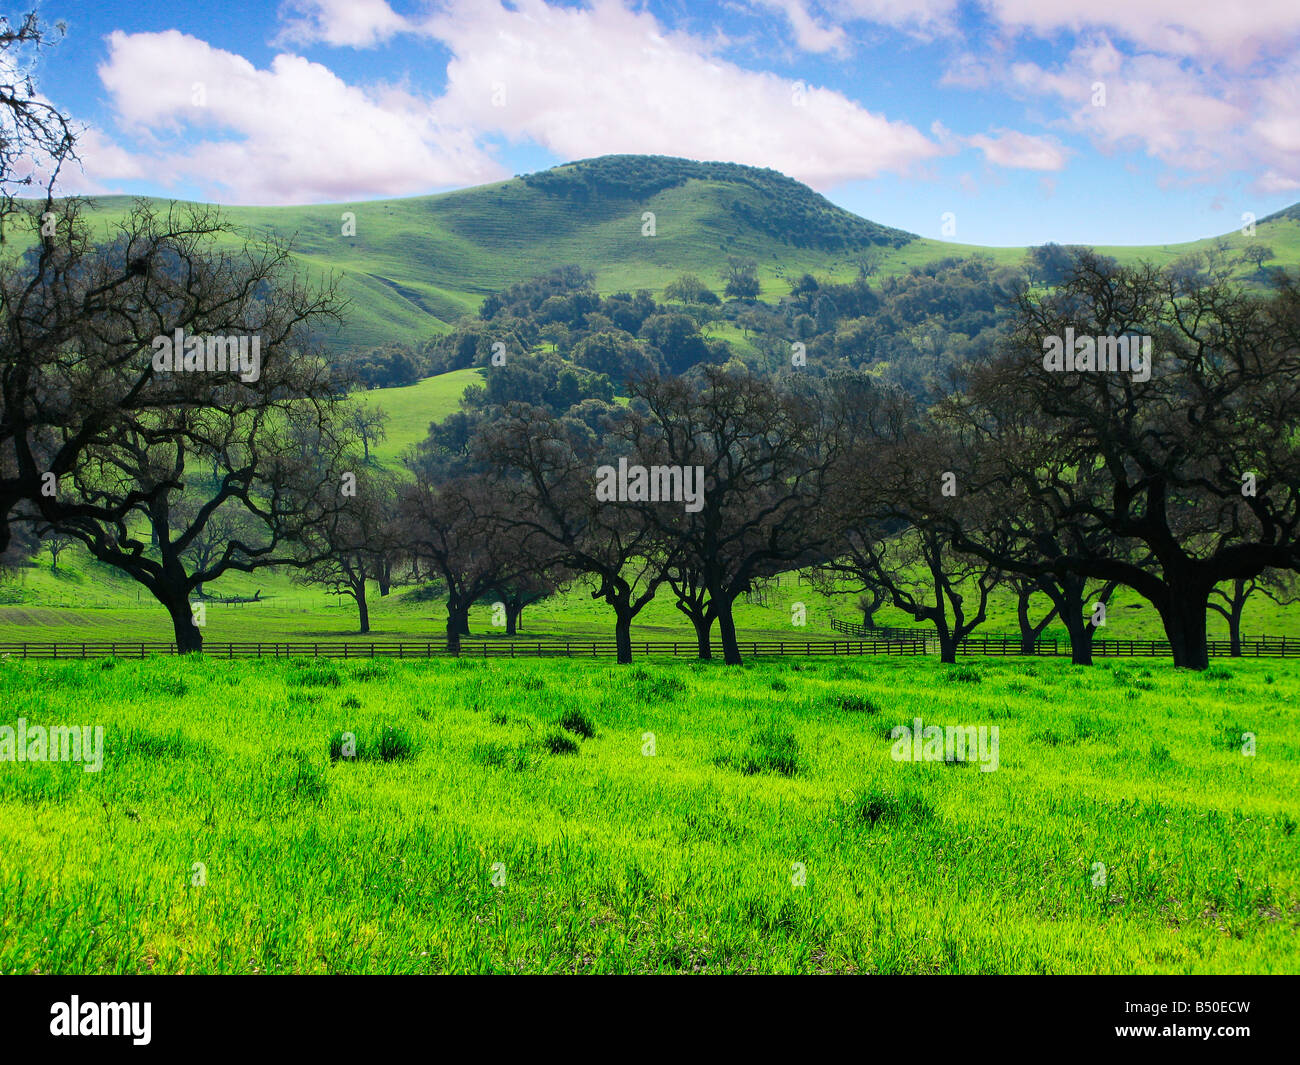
<point>909,329</point>
<point>1177,478</point>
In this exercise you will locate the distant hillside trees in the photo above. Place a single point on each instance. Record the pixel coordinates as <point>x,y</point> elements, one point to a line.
<point>690,290</point>
<point>741,278</point>
<point>768,201</point>
<point>356,542</point>
<point>617,356</point>
<point>388,366</point>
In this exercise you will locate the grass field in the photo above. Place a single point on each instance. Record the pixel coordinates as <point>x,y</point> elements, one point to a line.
<point>509,818</point>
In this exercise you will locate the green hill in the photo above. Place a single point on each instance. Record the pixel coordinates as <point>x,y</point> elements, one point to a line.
<point>411,408</point>
<point>414,265</point>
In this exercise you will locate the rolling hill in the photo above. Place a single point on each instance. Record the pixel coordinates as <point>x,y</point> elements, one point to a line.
<point>414,265</point>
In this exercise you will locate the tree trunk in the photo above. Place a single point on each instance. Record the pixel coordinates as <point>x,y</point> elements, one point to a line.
<point>1067,596</point>
<point>623,636</point>
<point>1184,616</point>
<point>384,575</point>
<point>947,647</point>
<point>189,637</point>
<point>512,618</point>
<point>1234,618</point>
<point>363,609</point>
<point>727,633</point>
<point>1028,637</point>
<point>457,625</point>
<point>703,628</point>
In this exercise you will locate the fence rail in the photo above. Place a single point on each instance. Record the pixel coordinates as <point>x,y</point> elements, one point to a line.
<point>552,648</point>
<point>854,628</point>
<point>1261,647</point>
<point>993,645</point>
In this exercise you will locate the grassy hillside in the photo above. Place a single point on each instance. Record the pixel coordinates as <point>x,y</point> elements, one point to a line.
<point>508,817</point>
<point>411,408</point>
<point>418,263</point>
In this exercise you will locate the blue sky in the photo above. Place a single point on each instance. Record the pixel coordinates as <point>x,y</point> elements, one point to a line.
<point>1021,120</point>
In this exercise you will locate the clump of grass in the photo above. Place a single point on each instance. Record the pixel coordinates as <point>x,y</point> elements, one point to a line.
<point>371,669</point>
<point>1216,673</point>
<point>305,781</point>
<point>351,703</point>
<point>501,756</point>
<point>661,687</point>
<point>174,687</point>
<point>499,717</point>
<point>879,806</point>
<point>1230,736</point>
<point>770,750</point>
<point>315,675</point>
<point>964,674</point>
<point>578,723</point>
<point>173,744</point>
<point>856,704</point>
<point>392,743</point>
<point>560,743</point>
<point>780,686</point>
<point>1160,756</point>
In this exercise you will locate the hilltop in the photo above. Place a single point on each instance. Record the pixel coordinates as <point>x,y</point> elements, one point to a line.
<point>414,265</point>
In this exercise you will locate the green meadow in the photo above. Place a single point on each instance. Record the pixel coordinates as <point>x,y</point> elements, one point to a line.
<point>470,816</point>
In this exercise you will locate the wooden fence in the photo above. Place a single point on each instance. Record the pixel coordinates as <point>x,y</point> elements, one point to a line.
<point>501,648</point>
<point>1262,647</point>
<point>1258,647</point>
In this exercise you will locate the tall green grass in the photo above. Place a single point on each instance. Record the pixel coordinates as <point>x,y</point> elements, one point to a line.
<point>696,819</point>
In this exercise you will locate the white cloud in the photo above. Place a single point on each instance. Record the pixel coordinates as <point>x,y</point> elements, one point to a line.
<point>584,82</point>
<point>581,81</point>
<point>809,34</point>
<point>342,23</point>
<point>577,82</point>
<point>1010,148</point>
<point>292,133</point>
<point>1176,27</point>
<point>1190,119</point>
